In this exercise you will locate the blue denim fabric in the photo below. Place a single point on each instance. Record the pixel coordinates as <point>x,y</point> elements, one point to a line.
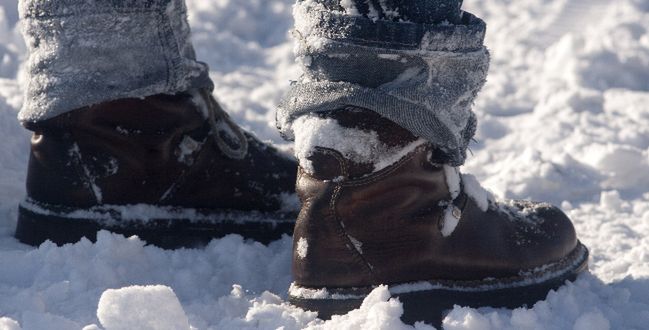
<point>416,11</point>
<point>86,52</point>
<point>423,77</point>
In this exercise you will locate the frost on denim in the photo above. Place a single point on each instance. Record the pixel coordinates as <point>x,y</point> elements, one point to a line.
<point>85,52</point>
<point>418,11</point>
<point>423,77</point>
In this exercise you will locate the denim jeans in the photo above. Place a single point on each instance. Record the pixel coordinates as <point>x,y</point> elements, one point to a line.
<point>422,76</point>
<point>419,63</point>
<point>417,11</point>
<point>84,52</point>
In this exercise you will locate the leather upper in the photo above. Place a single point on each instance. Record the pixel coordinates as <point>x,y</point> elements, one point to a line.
<point>157,150</point>
<point>385,228</point>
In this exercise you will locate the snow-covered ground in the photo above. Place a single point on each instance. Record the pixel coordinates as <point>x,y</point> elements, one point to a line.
<point>564,118</point>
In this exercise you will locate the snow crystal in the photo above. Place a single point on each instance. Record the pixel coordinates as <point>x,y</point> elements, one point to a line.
<point>141,307</point>
<point>302,248</point>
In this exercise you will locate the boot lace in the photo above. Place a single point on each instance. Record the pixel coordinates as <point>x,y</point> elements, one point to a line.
<point>229,138</point>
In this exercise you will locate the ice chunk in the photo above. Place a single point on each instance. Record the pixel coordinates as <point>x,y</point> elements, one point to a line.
<point>141,307</point>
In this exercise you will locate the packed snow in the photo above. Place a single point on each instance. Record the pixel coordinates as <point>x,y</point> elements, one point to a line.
<point>154,307</point>
<point>564,118</point>
<point>360,146</point>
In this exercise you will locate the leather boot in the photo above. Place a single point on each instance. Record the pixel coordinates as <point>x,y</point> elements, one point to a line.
<point>172,169</point>
<point>433,236</point>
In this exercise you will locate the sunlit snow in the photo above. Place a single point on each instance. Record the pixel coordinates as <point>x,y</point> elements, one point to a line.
<point>563,118</point>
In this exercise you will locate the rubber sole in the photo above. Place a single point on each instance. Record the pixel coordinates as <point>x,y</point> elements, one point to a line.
<point>429,301</point>
<point>168,228</point>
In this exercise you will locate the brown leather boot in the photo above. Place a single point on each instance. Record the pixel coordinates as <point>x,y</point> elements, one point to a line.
<point>172,169</point>
<point>430,235</point>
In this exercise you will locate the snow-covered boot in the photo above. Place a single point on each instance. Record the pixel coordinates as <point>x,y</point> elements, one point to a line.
<point>172,169</point>
<point>376,210</point>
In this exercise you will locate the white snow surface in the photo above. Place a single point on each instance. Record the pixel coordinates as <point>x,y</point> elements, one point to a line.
<point>302,248</point>
<point>450,220</point>
<point>153,307</point>
<point>564,118</point>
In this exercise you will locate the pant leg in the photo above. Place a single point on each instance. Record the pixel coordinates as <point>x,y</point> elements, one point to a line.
<point>416,11</point>
<point>87,52</point>
<point>422,76</point>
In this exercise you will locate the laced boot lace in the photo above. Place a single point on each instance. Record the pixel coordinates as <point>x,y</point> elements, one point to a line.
<point>229,138</point>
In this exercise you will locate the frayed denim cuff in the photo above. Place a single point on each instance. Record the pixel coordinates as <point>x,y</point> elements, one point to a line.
<point>422,77</point>
<point>87,52</point>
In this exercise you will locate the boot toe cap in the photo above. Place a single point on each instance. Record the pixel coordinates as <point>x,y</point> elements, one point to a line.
<point>559,229</point>
<point>550,233</point>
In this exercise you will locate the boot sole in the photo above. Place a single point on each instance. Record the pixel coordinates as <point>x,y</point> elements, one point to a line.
<point>429,301</point>
<point>165,227</point>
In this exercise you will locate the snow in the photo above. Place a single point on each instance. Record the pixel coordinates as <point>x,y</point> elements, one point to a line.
<point>153,307</point>
<point>592,321</point>
<point>8,324</point>
<point>104,214</point>
<point>349,7</point>
<point>302,247</point>
<point>452,175</point>
<point>451,219</point>
<point>359,146</point>
<point>563,118</point>
<point>358,245</point>
<point>479,194</point>
<point>378,311</point>
<point>188,147</point>
<point>311,131</point>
